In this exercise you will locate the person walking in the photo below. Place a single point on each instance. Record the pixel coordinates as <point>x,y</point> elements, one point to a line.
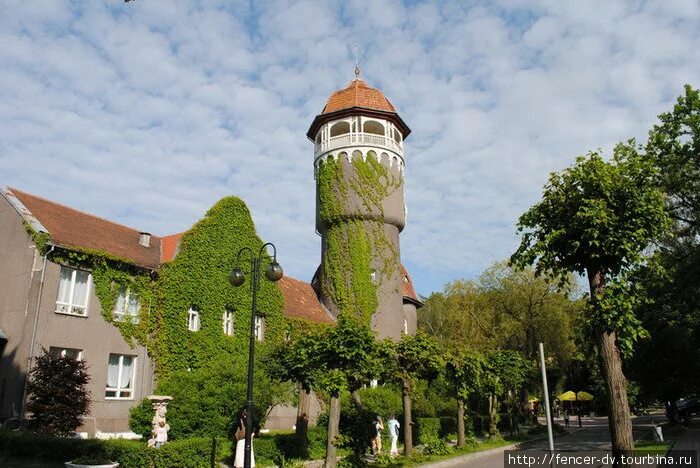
<point>566,418</point>
<point>378,427</point>
<point>239,435</point>
<point>393,427</point>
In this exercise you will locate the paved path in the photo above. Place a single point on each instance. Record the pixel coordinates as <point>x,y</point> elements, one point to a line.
<point>593,436</point>
<point>690,439</point>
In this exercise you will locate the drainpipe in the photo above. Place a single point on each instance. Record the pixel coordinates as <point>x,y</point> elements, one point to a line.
<point>32,346</point>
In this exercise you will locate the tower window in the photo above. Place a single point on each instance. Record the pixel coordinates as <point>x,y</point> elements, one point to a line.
<point>405,327</point>
<point>340,128</point>
<point>373,127</point>
<point>373,276</point>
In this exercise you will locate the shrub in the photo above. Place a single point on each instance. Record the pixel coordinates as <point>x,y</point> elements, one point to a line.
<point>435,446</point>
<point>58,397</point>
<point>208,401</point>
<point>427,429</point>
<point>383,401</point>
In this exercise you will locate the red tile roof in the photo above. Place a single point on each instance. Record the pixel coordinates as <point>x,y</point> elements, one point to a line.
<point>169,247</point>
<point>69,227</point>
<point>358,94</point>
<point>300,301</point>
<point>407,285</point>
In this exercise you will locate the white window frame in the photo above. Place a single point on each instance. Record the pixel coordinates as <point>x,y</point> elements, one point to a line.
<point>227,322</point>
<point>118,390</point>
<point>124,315</point>
<point>70,306</point>
<point>193,322</point>
<point>405,326</point>
<point>62,351</point>
<point>259,327</point>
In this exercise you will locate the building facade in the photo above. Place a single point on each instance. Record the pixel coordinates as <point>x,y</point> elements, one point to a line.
<point>45,303</point>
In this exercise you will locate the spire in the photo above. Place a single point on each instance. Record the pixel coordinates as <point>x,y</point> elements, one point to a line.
<point>357,64</point>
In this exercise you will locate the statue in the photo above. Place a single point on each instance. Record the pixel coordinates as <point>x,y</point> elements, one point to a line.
<point>159,426</point>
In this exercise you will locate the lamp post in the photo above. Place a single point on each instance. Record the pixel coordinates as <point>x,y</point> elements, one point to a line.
<point>236,277</point>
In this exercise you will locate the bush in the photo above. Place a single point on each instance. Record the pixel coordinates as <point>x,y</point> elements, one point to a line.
<point>435,446</point>
<point>382,401</point>
<point>208,401</point>
<point>427,429</point>
<point>58,397</point>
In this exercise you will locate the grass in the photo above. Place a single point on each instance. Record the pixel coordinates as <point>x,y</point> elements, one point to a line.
<point>472,446</point>
<point>645,447</point>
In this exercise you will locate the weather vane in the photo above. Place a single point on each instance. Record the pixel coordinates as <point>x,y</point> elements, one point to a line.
<point>357,64</point>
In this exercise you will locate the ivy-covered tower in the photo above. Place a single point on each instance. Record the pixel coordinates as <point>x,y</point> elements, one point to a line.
<point>360,210</point>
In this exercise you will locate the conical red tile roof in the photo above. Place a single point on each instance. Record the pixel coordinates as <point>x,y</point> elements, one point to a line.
<point>358,94</point>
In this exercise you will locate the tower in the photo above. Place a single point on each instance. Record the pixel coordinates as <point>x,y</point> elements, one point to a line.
<point>360,210</point>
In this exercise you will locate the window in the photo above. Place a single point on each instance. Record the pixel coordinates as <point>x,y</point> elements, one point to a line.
<point>373,276</point>
<point>193,320</point>
<point>228,322</point>
<point>71,353</point>
<point>259,327</point>
<point>340,128</point>
<point>405,327</point>
<point>121,372</point>
<point>128,306</point>
<point>73,291</point>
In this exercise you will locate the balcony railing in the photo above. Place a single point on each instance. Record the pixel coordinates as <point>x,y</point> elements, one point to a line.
<point>350,139</point>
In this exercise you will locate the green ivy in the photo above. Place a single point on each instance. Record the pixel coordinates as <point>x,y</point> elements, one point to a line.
<point>197,278</point>
<point>352,243</point>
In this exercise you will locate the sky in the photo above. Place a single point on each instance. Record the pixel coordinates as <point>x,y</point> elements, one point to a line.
<point>148,112</point>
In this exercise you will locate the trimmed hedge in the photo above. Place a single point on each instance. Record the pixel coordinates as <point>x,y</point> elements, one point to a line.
<point>186,453</point>
<point>427,429</point>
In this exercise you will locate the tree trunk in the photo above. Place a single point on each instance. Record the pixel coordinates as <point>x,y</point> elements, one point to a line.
<point>407,423</point>
<point>333,423</point>
<point>302,426</point>
<point>493,410</point>
<point>461,438</point>
<point>619,419</point>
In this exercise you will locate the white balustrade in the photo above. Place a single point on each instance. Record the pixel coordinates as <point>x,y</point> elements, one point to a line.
<point>350,139</point>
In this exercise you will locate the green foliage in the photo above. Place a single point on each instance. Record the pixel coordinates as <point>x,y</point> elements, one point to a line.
<point>352,245</point>
<point>383,400</point>
<point>208,401</point>
<point>427,429</point>
<point>197,278</point>
<point>596,217</point>
<point>464,372</point>
<point>436,446</point>
<point>416,357</point>
<point>57,394</point>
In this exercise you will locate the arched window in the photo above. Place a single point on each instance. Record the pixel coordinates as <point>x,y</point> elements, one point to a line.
<point>397,136</point>
<point>373,127</point>
<point>356,154</point>
<point>394,161</point>
<point>340,128</point>
<point>384,157</point>
<point>343,155</point>
<point>371,154</point>
<point>318,137</point>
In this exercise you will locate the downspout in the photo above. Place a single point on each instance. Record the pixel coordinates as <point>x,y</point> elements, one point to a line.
<point>32,346</point>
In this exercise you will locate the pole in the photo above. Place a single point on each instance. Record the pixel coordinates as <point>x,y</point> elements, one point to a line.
<point>546,399</point>
<point>255,263</point>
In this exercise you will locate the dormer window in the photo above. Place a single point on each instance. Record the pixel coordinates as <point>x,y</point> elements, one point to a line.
<point>145,239</point>
<point>73,292</point>
<point>128,306</point>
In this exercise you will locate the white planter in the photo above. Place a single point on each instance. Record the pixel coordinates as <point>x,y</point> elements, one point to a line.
<point>75,465</point>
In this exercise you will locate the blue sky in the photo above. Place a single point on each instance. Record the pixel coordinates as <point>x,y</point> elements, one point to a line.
<point>148,112</point>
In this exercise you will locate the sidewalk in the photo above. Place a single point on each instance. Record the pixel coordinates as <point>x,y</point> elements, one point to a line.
<point>690,439</point>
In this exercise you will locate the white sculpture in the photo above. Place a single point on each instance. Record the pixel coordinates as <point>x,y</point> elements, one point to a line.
<point>159,426</point>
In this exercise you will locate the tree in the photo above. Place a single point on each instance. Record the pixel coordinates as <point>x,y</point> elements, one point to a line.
<point>597,218</point>
<point>464,373</point>
<point>58,397</point>
<point>416,358</point>
<point>338,358</point>
<point>503,373</point>
<point>672,315</point>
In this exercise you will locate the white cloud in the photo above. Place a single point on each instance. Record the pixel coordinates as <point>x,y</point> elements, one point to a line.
<point>148,113</point>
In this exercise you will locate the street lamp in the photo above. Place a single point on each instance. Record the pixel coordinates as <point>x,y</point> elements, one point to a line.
<point>236,277</point>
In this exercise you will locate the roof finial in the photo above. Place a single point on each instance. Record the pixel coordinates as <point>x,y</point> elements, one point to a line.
<point>357,64</point>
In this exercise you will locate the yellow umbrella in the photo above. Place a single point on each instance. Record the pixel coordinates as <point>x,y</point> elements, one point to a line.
<point>584,396</point>
<point>567,396</point>
<point>532,400</point>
